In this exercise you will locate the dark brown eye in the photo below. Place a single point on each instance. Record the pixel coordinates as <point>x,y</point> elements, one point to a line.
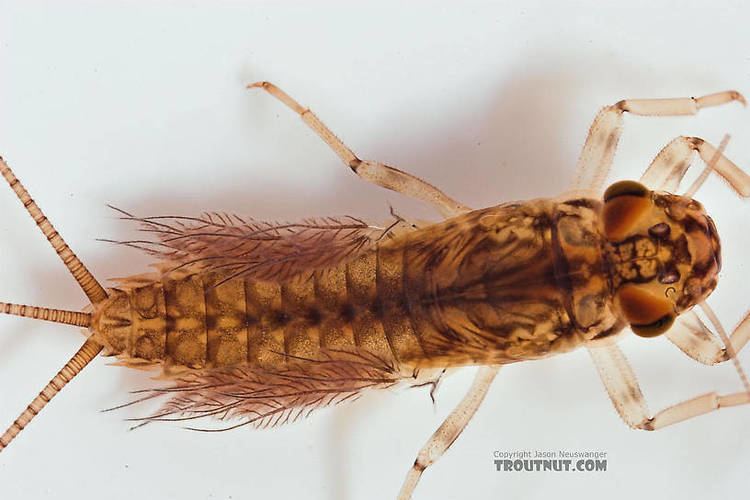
<point>660,231</point>
<point>649,315</point>
<point>654,329</point>
<point>625,188</point>
<point>624,204</point>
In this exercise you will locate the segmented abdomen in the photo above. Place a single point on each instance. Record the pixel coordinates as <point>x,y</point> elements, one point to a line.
<point>193,323</point>
<point>497,285</point>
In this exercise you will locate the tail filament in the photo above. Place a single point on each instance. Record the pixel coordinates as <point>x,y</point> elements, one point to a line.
<point>85,354</point>
<point>81,319</point>
<point>93,290</point>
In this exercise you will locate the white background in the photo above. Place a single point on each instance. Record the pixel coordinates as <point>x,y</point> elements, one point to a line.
<point>142,105</point>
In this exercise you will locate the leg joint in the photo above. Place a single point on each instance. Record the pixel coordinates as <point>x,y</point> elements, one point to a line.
<point>695,142</point>
<point>647,425</point>
<point>354,164</point>
<point>621,105</point>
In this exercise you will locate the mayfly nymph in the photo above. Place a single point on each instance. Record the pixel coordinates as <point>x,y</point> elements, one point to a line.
<point>261,323</point>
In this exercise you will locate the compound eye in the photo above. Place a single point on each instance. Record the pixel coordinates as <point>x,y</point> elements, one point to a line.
<point>624,204</point>
<point>626,188</point>
<point>654,329</point>
<point>649,315</point>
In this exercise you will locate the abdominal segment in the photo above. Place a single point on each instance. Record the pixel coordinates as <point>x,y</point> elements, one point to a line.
<point>193,323</point>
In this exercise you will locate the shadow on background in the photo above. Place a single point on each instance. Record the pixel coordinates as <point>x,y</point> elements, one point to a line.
<point>509,148</point>
<point>515,146</point>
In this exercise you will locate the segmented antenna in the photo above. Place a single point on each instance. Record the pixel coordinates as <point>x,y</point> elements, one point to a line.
<point>93,290</point>
<point>696,185</point>
<point>706,308</point>
<point>731,352</point>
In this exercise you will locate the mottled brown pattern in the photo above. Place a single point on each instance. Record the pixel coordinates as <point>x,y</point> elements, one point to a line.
<point>498,285</point>
<point>672,250</point>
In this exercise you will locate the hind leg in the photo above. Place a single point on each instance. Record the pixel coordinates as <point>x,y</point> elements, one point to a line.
<point>449,430</point>
<point>375,172</point>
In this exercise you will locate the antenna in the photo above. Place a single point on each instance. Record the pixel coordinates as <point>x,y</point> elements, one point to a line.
<point>696,185</point>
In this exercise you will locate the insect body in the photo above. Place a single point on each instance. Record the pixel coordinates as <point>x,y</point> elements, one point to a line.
<point>491,286</point>
<point>265,322</point>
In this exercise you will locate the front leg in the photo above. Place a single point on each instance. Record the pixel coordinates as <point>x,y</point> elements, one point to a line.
<point>377,173</point>
<point>695,339</point>
<point>599,150</point>
<point>668,168</point>
<point>625,392</point>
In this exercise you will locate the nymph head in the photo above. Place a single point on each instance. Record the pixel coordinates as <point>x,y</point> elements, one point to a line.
<point>663,251</point>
